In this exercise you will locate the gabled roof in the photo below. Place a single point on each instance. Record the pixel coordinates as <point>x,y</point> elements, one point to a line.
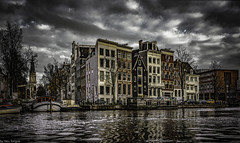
<point>139,58</point>
<point>186,65</point>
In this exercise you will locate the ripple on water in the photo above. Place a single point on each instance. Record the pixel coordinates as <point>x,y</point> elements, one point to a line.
<point>65,134</point>
<point>192,125</point>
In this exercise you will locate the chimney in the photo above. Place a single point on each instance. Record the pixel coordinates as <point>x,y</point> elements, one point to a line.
<point>140,45</point>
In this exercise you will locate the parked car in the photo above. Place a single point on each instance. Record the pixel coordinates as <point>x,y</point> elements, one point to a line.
<point>203,102</point>
<point>190,101</point>
<point>210,101</point>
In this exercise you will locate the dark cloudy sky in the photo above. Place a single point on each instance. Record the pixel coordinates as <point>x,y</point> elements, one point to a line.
<point>210,30</point>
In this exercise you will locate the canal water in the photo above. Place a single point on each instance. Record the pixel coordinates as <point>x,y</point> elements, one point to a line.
<point>182,125</point>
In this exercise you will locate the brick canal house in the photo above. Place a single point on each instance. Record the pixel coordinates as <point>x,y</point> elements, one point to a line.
<point>167,66</point>
<point>219,85</point>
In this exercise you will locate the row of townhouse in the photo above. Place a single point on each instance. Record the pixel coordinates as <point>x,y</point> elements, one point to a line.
<point>109,72</point>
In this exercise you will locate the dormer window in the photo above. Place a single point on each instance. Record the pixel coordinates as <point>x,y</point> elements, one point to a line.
<point>191,71</point>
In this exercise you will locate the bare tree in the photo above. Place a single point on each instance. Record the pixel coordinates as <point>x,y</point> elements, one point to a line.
<point>215,78</point>
<point>183,60</point>
<point>41,90</point>
<point>14,58</point>
<point>55,78</point>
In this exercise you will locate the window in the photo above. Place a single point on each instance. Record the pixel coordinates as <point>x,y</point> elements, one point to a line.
<point>134,88</point>
<point>101,62</point>
<point>108,100</point>
<point>158,79</point>
<point>119,55</point>
<point>139,80</point>
<point>154,91</point>
<point>139,62</point>
<point>154,69</point>
<point>150,69</point>
<point>167,75</point>
<point>129,56</point>
<point>107,63</point>
<point>139,90</point>
<point>124,65</point>
<point>150,79</point>
<point>135,79</point>
<point>124,89</point>
<point>112,53</point>
<point>107,52</point>
<point>171,67</point>
<point>124,76</point>
<point>102,100</point>
<point>119,76</point>
<point>101,51</point>
<point>154,79</point>
<point>112,64</point>
<point>167,58</point>
<point>129,66</point>
<point>124,55</point>
<point>107,76</point>
<point>119,88</point>
<point>154,60</point>
<point>150,92</point>
<point>139,71</point>
<point>150,60</point>
<point>144,79</point>
<point>101,89</point>
<point>158,61</point>
<point>163,65</point>
<point>101,75</point>
<point>129,77</point>
<point>129,89</point>
<point>158,70</point>
<point>119,64</point>
<point>107,90</point>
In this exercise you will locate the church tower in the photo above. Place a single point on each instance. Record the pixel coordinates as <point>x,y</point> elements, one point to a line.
<point>32,79</point>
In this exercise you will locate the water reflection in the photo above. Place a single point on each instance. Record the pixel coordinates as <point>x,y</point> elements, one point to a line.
<point>183,125</point>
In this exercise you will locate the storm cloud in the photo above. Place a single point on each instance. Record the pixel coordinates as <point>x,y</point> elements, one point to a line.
<point>210,30</point>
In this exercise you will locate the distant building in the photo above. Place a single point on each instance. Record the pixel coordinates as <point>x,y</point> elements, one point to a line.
<point>219,84</point>
<point>83,51</point>
<point>27,90</point>
<point>108,73</point>
<point>32,80</point>
<point>78,61</point>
